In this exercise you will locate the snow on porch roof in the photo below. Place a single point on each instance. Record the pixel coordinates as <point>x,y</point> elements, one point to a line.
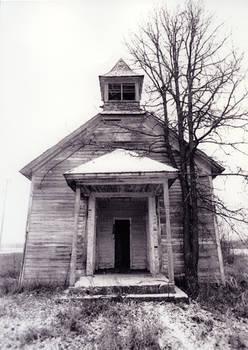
<point>121,161</point>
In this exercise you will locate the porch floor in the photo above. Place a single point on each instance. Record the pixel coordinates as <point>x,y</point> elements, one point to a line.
<point>121,280</point>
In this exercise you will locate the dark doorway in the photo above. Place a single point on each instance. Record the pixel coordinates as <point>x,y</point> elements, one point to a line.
<point>122,245</point>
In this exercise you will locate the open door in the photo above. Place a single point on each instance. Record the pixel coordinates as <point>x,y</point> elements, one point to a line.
<point>122,245</point>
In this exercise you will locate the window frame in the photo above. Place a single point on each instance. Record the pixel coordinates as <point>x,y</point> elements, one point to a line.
<point>121,84</point>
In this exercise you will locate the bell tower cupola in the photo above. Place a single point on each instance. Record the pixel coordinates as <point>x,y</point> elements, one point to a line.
<point>121,89</point>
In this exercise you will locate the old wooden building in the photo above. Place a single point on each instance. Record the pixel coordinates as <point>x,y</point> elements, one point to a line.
<point>105,199</point>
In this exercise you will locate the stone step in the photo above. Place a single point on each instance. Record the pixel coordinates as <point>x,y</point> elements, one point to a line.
<point>163,288</point>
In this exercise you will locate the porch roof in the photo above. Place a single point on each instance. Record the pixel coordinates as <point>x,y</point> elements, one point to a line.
<point>120,167</point>
<point>121,161</point>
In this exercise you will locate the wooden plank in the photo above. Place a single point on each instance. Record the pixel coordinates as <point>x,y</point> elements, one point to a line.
<point>91,236</point>
<point>20,282</point>
<point>153,235</point>
<point>72,278</point>
<point>122,194</point>
<point>219,251</point>
<point>82,234</point>
<point>140,177</point>
<point>168,232</point>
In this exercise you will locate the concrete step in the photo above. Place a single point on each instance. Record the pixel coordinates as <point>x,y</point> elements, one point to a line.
<point>177,296</point>
<point>120,284</point>
<point>163,288</point>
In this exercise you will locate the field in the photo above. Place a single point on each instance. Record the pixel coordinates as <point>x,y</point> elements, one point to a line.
<point>38,319</point>
<point>10,263</point>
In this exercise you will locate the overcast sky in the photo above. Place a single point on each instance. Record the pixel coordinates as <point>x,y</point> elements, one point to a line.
<point>51,53</point>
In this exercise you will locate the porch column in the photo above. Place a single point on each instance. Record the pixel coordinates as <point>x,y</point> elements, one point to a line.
<point>91,236</point>
<point>153,236</point>
<point>168,232</point>
<point>73,262</point>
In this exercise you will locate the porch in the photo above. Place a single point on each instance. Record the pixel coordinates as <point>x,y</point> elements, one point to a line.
<point>117,177</point>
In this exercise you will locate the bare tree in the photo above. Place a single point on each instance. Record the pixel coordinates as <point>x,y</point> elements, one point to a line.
<point>195,86</point>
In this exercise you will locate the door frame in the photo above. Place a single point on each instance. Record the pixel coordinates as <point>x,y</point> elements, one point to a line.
<point>152,229</point>
<point>130,236</point>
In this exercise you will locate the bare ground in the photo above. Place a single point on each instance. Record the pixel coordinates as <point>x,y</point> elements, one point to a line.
<point>37,320</point>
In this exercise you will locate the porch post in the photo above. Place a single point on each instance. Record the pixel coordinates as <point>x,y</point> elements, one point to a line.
<point>168,232</point>
<point>91,236</point>
<point>153,235</point>
<point>73,261</point>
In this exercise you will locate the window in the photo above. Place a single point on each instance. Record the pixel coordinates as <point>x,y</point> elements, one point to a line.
<point>128,92</point>
<point>121,92</point>
<point>114,91</point>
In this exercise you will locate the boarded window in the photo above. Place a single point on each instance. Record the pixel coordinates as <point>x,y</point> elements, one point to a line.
<point>128,92</point>
<point>114,92</point>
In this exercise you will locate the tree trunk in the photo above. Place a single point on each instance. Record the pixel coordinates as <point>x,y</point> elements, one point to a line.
<point>190,231</point>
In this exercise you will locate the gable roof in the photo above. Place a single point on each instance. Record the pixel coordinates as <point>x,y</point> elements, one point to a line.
<point>121,161</point>
<point>85,130</point>
<point>51,152</point>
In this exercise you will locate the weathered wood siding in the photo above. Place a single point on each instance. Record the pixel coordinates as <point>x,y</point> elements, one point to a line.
<point>176,229</point>
<point>50,226</point>
<point>50,233</point>
<point>208,259</point>
<point>209,268</point>
<point>122,208</point>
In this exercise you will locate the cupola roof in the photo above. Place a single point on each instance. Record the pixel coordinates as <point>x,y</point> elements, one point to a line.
<point>121,69</point>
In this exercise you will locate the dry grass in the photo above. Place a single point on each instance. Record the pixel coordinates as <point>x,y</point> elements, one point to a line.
<point>121,326</point>
<point>31,320</point>
<point>233,297</point>
<point>216,319</point>
<point>8,285</point>
<point>34,334</point>
<point>10,264</point>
